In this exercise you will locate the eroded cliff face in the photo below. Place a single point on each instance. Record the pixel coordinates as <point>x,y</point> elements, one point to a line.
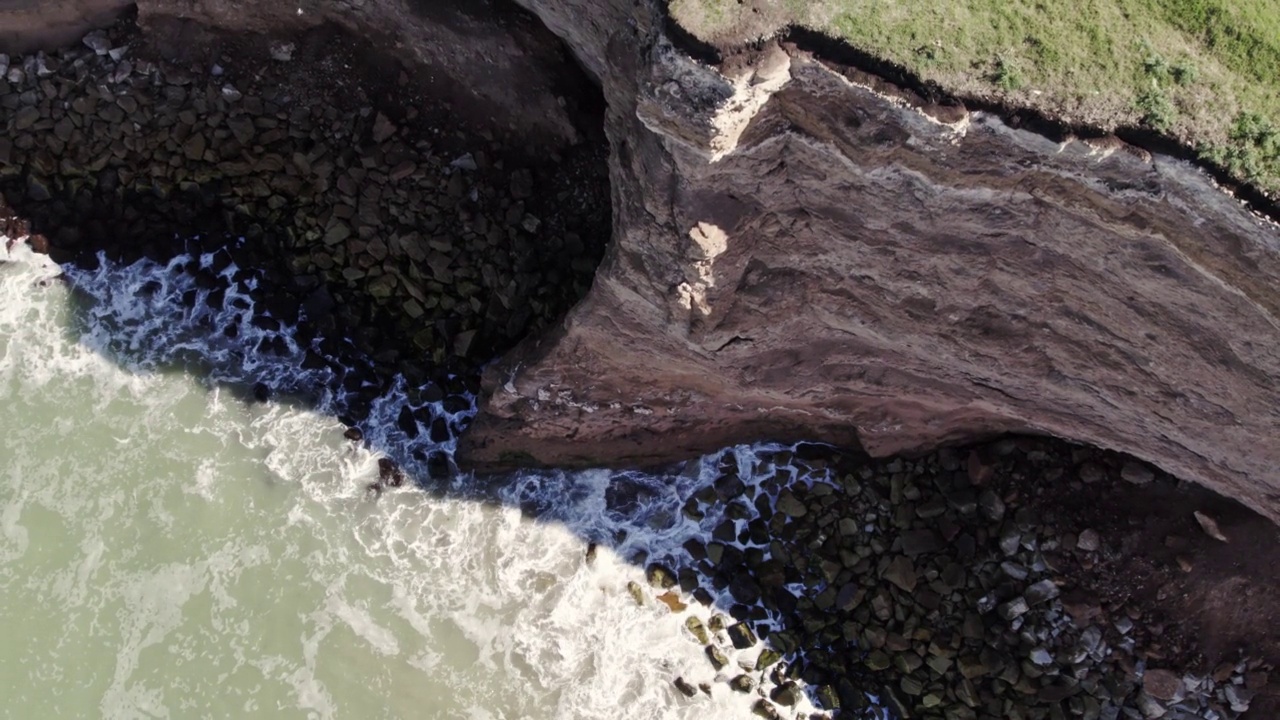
<point>797,255</point>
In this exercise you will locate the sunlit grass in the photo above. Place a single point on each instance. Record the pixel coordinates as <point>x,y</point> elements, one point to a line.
<point>1206,72</point>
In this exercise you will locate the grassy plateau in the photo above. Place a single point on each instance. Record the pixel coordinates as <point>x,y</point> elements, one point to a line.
<point>1204,72</point>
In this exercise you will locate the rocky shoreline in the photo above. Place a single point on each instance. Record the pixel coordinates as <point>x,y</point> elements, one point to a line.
<point>957,585</point>
<point>964,584</point>
<point>425,241</point>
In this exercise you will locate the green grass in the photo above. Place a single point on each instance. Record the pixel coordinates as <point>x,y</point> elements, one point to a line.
<point>1206,72</point>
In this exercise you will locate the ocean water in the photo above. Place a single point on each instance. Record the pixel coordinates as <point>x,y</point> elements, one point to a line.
<point>171,548</point>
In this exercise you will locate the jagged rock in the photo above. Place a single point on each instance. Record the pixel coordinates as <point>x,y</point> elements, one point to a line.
<point>741,636</point>
<point>1040,592</point>
<point>768,656</point>
<point>699,631</point>
<point>660,576</point>
<point>717,657</point>
<point>902,572</point>
<point>1013,608</point>
<point>789,504</point>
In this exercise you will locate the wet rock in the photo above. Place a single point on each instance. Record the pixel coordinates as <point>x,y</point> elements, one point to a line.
<point>407,423</point>
<point>741,636</point>
<point>684,687</point>
<point>768,656</point>
<point>744,589</point>
<point>763,709</point>
<point>660,576</point>
<point>636,592</point>
<point>790,505</point>
<point>717,657</point>
<point>743,683</point>
<point>389,473</point>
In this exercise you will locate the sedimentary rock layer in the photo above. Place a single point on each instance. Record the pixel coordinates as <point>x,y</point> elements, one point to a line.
<point>797,254</point>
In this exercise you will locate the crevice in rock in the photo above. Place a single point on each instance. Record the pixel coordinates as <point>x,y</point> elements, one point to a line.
<point>735,340</point>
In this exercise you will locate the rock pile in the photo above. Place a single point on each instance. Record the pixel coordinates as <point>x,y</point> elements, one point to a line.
<point>425,248</point>
<point>937,587</point>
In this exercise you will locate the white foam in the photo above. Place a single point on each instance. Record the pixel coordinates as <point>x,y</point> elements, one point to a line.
<point>222,558</point>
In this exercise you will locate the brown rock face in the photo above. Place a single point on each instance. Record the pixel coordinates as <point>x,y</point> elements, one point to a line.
<point>796,255</point>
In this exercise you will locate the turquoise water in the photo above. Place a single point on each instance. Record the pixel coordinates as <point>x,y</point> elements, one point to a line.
<point>169,550</point>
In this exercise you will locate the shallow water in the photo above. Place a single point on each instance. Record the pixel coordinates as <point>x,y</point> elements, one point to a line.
<point>170,548</point>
